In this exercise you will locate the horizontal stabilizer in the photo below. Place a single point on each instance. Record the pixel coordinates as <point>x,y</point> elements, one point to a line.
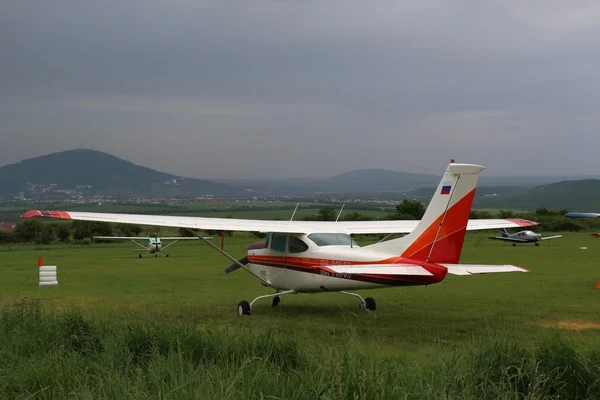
<point>551,237</point>
<point>380,269</point>
<point>469,269</point>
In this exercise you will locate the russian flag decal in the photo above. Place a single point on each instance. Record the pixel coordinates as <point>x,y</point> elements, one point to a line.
<point>446,188</point>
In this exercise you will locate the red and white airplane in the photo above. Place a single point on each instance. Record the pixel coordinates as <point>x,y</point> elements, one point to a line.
<point>318,256</point>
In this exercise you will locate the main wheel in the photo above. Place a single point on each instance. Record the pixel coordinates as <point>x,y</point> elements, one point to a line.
<point>139,255</point>
<point>514,244</point>
<point>276,301</point>
<point>370,303</point>
<point>166,255</point>
<point>244,308</point>
<point>537,244</point>
<point>155,255</point>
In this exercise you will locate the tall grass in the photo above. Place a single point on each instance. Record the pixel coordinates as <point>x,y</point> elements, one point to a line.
<point>56,355</point>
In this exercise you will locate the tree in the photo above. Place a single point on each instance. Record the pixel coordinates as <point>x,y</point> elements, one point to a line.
<point>506,214</point>
<point>356,216</point>
<point>128,229</point>
<point>413,209</point>
<point>327,213</point>
<point>86,229</point>
<point>63,232</point>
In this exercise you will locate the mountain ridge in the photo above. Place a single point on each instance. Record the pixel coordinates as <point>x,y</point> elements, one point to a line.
<point>98,172</point>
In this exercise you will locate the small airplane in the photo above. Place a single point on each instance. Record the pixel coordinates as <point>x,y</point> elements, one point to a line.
<point>153,243</point>
<point>321,256</point>
<point>523,237</point>
<point>582,215</point>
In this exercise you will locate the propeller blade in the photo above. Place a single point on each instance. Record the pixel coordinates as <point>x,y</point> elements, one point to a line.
<point>236,266</point>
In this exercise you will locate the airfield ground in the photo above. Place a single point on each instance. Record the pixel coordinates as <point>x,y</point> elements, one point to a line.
<point>456,339</point>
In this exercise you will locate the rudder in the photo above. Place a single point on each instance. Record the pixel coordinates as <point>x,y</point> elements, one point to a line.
<point>440,234</point>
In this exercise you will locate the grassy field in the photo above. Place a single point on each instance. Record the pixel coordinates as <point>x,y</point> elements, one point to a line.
<point>422,342</point>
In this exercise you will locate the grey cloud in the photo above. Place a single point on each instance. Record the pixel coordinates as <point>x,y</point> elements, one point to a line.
<point>301,88</point>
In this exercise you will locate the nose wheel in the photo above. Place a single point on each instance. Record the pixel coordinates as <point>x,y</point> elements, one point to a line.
<point>244,308</point>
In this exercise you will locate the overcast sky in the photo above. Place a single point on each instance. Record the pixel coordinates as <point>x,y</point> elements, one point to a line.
<point>258,88</point>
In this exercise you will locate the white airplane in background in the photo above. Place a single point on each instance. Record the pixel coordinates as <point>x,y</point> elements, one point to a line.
<point>523,237</point>
<point>153,243</point>
<point>320,256</point>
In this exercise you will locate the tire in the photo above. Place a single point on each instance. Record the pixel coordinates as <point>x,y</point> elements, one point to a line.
<point>244,308</point>
<point>276,301</point>
<point>370,303</point>
<point>139,255</point>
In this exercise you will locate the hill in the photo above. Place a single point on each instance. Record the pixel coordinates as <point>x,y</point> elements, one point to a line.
<point>578,195</point>
<point>83,171</point>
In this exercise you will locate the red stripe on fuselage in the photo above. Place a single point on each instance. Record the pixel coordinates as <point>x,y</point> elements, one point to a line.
<point>318,267</point>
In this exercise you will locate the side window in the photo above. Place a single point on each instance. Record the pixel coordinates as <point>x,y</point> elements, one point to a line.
<point>296,245</point>
<point>278,242</point>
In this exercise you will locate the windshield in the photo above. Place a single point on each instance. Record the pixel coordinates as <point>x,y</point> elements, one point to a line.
<point>332,239</point>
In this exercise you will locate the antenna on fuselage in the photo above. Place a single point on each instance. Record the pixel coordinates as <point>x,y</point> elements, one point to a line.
<point>295,209</point>
<point>340,213</point>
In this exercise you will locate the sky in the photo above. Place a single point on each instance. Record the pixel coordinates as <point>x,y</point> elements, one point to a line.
<point>304,88</point>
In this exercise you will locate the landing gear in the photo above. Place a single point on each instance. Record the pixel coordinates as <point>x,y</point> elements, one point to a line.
<point>276,301</point>
<point>155,255</point>
<point>166,255</point>
<point>243,310</point>
<point>367,304</point>
<point>537,244</point>
<point>370,303</point>
<point>140,255</point>
<point>514,244</point>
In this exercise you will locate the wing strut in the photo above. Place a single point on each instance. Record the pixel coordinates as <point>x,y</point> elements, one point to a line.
<point>219,250</point>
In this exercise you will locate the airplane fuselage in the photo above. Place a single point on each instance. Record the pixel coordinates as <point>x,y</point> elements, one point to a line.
<point>154,247</point>
<point>308,270</point>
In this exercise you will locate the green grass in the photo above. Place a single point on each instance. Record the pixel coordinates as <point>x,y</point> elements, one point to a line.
<point>455,339</point>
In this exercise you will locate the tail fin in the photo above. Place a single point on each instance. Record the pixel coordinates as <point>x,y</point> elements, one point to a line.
<point>440,234</point>
<point>504,232</point>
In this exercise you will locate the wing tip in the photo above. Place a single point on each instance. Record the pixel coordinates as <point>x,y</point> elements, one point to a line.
<point>523,222</point>
<point>45,214</point>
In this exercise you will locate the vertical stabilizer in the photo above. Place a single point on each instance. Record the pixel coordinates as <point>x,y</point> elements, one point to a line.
<point>440,234</point>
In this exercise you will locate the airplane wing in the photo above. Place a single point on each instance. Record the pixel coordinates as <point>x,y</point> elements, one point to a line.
<point>508,239</point>
<point>253,225</point>
<point>551,237</point>
<point>469,269</point>
<point>121,237</point>
<point>146,237</point>
<point>181,238</point>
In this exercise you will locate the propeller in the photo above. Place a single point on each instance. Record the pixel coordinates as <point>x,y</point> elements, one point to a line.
<point>236,265</point>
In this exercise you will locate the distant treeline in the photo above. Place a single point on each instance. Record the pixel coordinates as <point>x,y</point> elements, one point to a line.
<point>44,232</point>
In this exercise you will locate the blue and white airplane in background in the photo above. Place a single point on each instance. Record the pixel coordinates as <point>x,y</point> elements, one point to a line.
<point>526,236</point>
<point>153,243</point>
<point>582,215</point>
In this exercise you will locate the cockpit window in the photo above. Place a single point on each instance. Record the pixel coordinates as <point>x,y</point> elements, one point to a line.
<point>332,239</point>
<point>278,242</point>
<point>296,245</point>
